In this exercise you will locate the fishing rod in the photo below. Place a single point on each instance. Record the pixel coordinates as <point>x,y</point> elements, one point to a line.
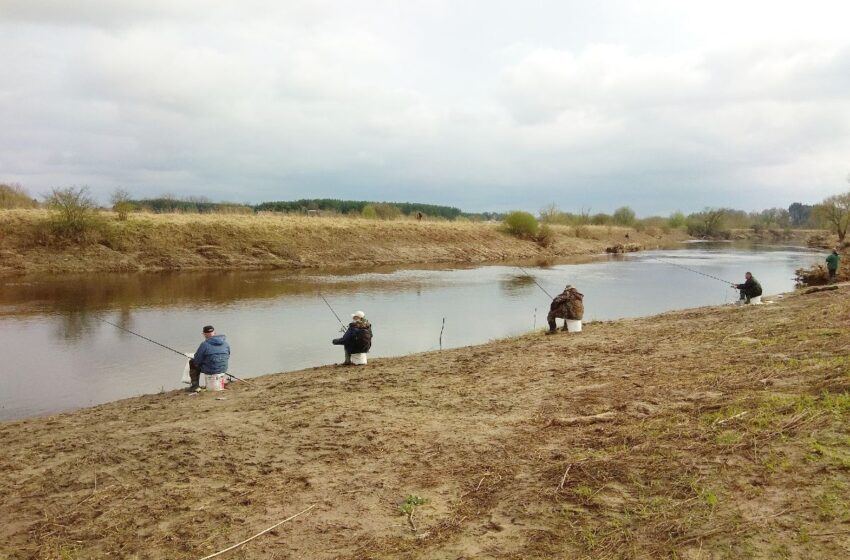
<point>535,281</point>
<point>692,270</point>
<point>164,346</point>
<point>332,310</point>
<point>145,338</point>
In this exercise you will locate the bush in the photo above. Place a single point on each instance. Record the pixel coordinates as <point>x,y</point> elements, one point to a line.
<point>73,215</point>
<point>369,212</point>
<point>545,237</point>
<point>15,196</point>
<point>677,220</point>
<point>521,224</point>
<point>121,203</point>
<point>624,216</point>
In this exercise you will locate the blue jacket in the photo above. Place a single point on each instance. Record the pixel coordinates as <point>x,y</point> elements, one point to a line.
<point>212,355</point>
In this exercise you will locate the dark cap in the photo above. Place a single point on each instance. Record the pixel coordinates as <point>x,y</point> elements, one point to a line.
<point>209,328</point>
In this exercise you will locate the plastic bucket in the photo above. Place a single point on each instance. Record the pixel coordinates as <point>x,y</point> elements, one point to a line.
<point>215,381</point>
<point>573,325</point>
<point>359,359</point>
<point>755,300</point>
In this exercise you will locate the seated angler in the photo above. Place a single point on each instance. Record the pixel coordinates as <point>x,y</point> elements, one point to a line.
<point>568,305</point>
<point>357,339</point>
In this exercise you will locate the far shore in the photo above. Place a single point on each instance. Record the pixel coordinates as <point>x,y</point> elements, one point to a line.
<point>161,242</point>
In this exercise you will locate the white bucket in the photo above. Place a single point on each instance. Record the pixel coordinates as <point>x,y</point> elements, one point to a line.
<point>573,325</point>
<point>215,381</point>
<point>755,300</point>
<point>358,359</point>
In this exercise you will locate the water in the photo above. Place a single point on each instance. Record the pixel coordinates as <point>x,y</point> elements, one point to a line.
<point>59,356</point>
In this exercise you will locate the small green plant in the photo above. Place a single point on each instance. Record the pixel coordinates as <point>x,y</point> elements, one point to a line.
<point>410,503</point>
<point>521,224</point>
<point>710,498</point>
<point>729,437</point>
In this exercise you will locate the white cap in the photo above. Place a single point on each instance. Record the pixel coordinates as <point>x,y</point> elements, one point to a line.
<point>358,314</point>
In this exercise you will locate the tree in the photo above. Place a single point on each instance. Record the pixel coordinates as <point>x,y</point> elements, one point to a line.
<point>121,203</point>
<point>800,214</point>
<point>834,213</point>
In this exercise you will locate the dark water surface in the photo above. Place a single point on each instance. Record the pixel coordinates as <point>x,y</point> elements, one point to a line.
<point>57,354</point>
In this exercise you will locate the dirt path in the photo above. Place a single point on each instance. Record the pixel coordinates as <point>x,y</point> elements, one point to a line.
<point>709,433</point>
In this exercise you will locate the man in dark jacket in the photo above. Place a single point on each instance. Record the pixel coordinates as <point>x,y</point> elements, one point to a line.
<point>569,304</point>
<point>212,356</point>
<point>358,338</point>
<point>749,289</point>
<point>832,264</point>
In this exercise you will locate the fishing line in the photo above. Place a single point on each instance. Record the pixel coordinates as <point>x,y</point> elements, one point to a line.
<point>692,270</point>
<point>535,281</point>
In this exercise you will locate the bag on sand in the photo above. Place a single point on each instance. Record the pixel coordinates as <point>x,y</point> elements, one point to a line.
<point>186,378</point>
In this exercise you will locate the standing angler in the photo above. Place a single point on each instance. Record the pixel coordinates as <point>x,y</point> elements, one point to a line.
<point>832,264</point>
<point>211,357</point>
<point>357,339</point>
<point>568,304</point>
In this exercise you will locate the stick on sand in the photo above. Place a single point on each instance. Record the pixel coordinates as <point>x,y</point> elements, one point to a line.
<point>258,534</point>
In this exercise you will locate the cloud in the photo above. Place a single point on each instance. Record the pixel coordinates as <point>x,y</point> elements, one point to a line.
<point>267,100</point>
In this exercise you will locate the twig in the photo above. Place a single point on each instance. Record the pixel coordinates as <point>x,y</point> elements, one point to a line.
<point>258,534</point>
<point>410,519</point>
<point>721,422</point>
<point>564,478</point>
<point>481,481</point>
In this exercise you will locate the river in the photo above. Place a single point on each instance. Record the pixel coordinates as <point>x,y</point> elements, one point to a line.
<point>59,355</point>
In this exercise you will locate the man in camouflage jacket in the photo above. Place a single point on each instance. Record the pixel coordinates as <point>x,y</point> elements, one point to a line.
<point>568,304</point>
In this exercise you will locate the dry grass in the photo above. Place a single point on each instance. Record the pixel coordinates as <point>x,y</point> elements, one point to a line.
<point>228,241</point>
<point>710,433</point>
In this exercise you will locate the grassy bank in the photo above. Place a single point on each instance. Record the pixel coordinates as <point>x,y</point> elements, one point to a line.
<point>149,242</point>
<point>709,433</point>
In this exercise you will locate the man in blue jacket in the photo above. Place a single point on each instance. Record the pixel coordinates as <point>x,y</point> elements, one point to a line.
<point>211,357</point>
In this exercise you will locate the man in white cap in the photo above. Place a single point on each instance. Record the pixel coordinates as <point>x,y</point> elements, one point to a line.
<point>358,338</point>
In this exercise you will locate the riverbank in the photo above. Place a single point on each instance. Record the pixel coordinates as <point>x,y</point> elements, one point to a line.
<point>156,242</point>
<point>699,433</point>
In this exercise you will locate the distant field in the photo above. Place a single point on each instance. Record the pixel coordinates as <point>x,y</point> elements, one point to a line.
<point>149,242</point>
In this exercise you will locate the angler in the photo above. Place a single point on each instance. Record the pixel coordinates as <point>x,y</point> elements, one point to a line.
<point>568,305</point>
<point>357,340</point>
<point>211,357</point>
<point>750,289</point>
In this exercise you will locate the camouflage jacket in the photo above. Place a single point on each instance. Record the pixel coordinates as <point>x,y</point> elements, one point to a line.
<point>568,304</point>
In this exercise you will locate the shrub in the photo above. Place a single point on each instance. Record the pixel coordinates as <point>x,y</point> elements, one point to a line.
<point>677,220</point>
<point>624,216</point>
<point>545,237</point>
<point>521,224</point>
<point>369,212</point>
<point>72,213</point>
<point>121,203</point>
<point>15,196</point>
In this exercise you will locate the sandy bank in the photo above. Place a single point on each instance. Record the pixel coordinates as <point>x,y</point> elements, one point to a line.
<point>196,242</point>
<point>715,432</point>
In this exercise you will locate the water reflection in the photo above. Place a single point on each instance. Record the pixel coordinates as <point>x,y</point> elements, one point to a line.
<point>516,285</point>
<point>65,357</point>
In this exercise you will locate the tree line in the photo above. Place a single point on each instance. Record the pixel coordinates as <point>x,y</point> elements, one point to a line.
<point>832,213</point>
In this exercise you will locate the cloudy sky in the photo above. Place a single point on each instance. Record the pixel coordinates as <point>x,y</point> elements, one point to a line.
<point>661,105</point>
